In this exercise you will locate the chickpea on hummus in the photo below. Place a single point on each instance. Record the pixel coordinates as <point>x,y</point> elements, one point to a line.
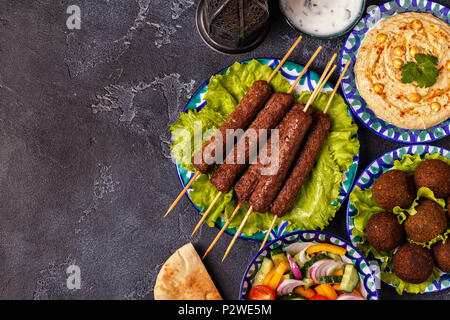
<point>380,71</point>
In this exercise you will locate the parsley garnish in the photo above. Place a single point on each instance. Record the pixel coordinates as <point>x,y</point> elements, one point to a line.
<point>424,72</point>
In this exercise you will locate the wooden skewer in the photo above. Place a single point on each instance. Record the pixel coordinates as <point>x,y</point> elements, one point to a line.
<point>337,86</point>
<point>249,212</point>
<point>323,80</point>
<point>320,87</point>
<point>275,71</point>
<point>211,206</point>
<point>268,232</point>
<point>197,173</point>
<point>225,226</point>
<point>286,56</point>
<point>305,69</point>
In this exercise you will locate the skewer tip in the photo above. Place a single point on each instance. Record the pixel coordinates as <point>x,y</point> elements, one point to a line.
<point>180,195</point>
<point>211,206</point>
<point>263,244</point>
<point>211,246</point>
<point>238,232</point>
<point>336,87</point>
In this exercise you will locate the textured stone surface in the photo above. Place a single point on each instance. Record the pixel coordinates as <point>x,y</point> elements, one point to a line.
<point>85,169</point>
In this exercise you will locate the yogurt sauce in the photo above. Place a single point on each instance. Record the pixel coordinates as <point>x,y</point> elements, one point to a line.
<point>322,17</point>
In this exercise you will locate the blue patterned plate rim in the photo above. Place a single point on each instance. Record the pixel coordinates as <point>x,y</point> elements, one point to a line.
<point>444,126</point>
<point>408,149</point>
<point>280,230</point>
<point>371,294</point>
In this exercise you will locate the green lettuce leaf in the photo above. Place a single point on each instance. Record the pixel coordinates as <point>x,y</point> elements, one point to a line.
<point>423,192</point>
<point>317,203</point>
<point>409,162</point>
<point>363,202</point>
<point>402,286</point>
<point>184,144</point>
<point>442,237</point>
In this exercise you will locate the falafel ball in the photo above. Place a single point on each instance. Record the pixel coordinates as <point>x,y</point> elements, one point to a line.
<point>441,252</point>
<point>434,174</point>
<point>384,232</point>
<point>413,263</point>
<point>394,188</point>
<point>429,221</point>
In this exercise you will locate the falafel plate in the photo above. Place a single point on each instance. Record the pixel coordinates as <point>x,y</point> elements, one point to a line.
<point>398,215</point>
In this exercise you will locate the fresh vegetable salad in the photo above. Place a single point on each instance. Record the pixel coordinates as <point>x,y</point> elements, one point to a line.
<point>307,271</point>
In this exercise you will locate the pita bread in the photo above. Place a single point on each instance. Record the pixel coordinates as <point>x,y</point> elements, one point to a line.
<point>184,277</point>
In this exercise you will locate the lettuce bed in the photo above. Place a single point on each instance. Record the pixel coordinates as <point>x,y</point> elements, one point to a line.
<point>316,203</point>
<point>366,207</point>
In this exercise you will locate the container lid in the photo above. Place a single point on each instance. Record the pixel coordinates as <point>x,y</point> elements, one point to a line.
<point>233,26</point>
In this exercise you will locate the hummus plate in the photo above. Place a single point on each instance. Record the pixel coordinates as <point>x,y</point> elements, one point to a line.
<point>373,87</point>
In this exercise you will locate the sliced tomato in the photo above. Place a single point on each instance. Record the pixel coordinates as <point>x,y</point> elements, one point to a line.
<point>261,292</point>
<point>318,297</point>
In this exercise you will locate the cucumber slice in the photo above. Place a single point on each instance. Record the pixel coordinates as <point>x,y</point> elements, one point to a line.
<point>334,256</point>
<point>278,256</point>
<point>350,279</point>
<point>292,296</point>
<point>266,266</point>
<point>276,252</point>
<point>330,279</point>
<point>288,276</point>
<point>308,283</point>
<point>297,260</point>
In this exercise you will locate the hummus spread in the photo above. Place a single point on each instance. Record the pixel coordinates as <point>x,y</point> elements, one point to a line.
<point>378,69</point>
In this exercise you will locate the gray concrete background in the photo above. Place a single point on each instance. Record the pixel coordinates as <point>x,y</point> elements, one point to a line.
<point>85,171</point>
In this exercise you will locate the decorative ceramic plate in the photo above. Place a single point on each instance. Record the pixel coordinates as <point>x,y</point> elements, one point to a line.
<point>351,93</point>
<point>368,177</point>
<point>368,283</point>
<point>289,71</point>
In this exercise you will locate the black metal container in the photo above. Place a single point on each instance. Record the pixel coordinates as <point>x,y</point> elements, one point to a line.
<point>233,26</point>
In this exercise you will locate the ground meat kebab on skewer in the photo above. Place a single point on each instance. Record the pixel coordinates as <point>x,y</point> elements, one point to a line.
<point>267,186</point>
<point>225,176</point>
<point>292,130</point>
<point>309,152</point>
<point>235,162</point>
<point>247,183</point>
<point>303,166</point>
<point>244,113</point>
<point>240,118</point>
